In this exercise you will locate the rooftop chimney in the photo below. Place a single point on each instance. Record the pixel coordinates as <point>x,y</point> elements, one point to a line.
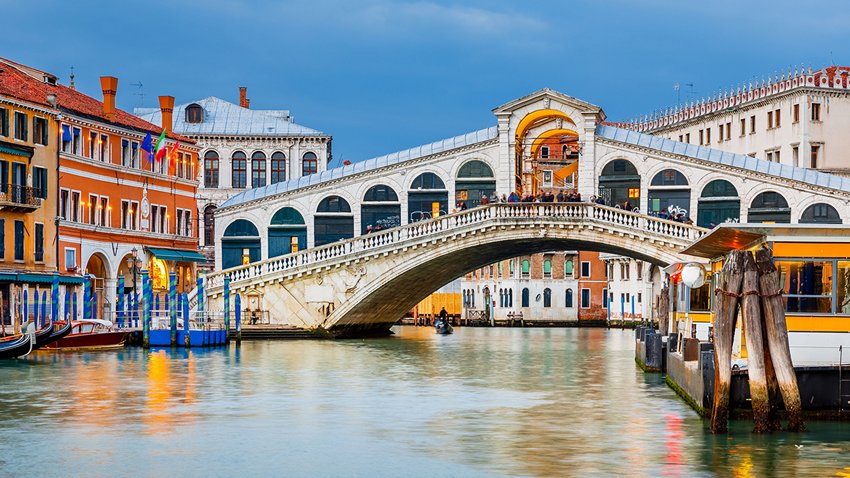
<point>166,105</point>
<point>109,85</point>
<point>243,97</point>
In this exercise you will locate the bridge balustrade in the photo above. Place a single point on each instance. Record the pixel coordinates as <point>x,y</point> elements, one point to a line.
<point>380,240</point>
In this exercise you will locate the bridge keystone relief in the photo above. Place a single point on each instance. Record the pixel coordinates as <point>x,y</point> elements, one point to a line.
<point>309,249</point>
<point>372,280</point>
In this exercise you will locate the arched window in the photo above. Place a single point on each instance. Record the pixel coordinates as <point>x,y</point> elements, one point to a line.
<point>619,183</point>
<point>239,165</point>
<point>526,267</point>
<point>769,207</point>
<point>211,169</point>
<point>240,244</point>
<point>820,214</point>
<point>333,221</point>
<point>670,195</point>
<point>287,232</point>
<point>209,225</point>
<point>333,204</point>
<point>380,193</point>
<point>383,215</point>
<point>501,298</point>
<point>718,203</point>
<point>427,197</point>
<point>510,297</point>
<point>258,169</point>
<point>194,113</point>
<point>568,267</point>
<point>547,297</point>
<point>568,298</point>
<point>474,180</point>
<point>525,297</point>
<point>547,268</point>
<point>278,167</point>
<point>309,163</point>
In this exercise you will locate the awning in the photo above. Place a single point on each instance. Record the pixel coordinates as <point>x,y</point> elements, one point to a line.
<point>16,150</point>
<point>34,278</point>
<point>179,255</point>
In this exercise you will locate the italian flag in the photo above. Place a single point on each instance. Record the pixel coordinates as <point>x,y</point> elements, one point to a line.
<point>161,148</point>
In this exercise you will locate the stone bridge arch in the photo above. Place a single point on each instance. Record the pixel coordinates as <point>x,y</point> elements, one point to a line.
<point>366,283</point>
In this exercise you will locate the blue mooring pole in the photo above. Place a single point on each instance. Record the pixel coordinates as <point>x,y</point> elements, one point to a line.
<point>186,341</point>
<point>119,302</point>
<point>146,310</point>
<point>238,304</point>
<point>226,308</point>
<point>172,306</point>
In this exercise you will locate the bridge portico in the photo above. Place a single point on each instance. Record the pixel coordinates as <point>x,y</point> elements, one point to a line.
<point>545,141</point>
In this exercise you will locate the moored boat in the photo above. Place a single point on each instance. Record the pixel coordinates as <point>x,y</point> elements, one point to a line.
<point>15,346</point>
<point>91,333</point>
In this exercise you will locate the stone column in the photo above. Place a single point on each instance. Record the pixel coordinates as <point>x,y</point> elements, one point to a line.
<point>587,160</point>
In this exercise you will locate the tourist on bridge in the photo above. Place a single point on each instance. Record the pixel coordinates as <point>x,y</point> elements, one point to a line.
<point>484,200</point>
<point>513,197</point>
<point>503,199</point>
<point>494,198</point>
<point>561,196</point>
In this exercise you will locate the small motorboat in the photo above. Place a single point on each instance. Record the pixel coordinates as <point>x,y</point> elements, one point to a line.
<point>90,333</point>
<point>443,328</point>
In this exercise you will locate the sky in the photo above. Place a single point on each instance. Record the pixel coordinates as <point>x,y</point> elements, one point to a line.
<point>386,75</point>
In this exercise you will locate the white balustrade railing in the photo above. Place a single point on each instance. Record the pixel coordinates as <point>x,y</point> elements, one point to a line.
<point>631,222</point>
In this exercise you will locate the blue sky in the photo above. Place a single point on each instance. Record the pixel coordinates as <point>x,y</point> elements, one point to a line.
<point>385,75</point>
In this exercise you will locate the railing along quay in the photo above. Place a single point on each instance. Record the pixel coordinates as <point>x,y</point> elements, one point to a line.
<point>632,222</point>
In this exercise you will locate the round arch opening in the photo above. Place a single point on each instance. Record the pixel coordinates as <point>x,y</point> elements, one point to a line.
<point>240,244</point>
<point>287,232</point>
<point>427,197</point>
<point>619,184</point>
<point>475,179</point>
<point>769,207</point>
<point>718,203</point>
<point>333,221</point>
<point>380,209</point>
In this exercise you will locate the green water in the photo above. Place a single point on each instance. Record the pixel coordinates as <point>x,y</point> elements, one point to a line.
<point>481,402</point>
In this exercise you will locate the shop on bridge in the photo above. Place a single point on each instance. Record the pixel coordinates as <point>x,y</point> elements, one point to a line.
<point>619,184</point>
<point>474,180</point>
<point>380,209</point>
<point>287,232</point>
<point>333,221</point>
<point>427,198</point>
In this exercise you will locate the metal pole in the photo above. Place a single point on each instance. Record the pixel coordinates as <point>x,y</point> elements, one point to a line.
<point>186,341</point>
<point>238,304</point>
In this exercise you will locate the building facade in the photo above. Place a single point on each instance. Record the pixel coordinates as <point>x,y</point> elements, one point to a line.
<point>243,148</point>
<point>28,189</point>
<point>551,287</point>
<point>121,210</point>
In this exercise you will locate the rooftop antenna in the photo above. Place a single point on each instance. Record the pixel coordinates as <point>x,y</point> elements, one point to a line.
<point>676,88</point>
<point>691,91</point>
<point>71,85</point>
<point>831,59</point>
<point>140,93</point>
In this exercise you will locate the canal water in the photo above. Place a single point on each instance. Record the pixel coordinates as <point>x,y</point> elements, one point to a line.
<point>482,402</point>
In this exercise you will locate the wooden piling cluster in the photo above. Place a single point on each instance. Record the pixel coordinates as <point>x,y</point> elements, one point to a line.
<point>753,285</point>
<point>663,302</point>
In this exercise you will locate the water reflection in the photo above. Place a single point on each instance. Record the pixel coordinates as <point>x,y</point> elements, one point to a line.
<point>482,402</point>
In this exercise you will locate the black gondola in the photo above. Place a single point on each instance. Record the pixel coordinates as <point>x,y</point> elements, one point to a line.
<point>43,335</point>
<point>60,333</point>
<point>15,347</point>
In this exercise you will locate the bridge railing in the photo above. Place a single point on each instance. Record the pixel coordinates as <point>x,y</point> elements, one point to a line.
<point>378,240</point>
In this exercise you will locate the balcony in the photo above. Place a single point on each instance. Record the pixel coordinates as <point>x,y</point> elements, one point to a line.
<point>17,198</point>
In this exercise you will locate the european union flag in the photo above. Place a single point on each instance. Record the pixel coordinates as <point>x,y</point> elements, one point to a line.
<point>66,133</point>
<point>147,146</point>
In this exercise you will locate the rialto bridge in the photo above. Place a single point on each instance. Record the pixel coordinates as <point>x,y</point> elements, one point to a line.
<point>302,246</point>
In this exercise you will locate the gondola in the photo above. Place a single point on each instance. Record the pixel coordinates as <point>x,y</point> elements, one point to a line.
<point>59,333</point>
<point>443,328</point>
<point>15,346</point>
<point>43,335</point>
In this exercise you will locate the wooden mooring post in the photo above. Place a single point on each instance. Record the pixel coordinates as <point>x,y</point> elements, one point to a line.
<point>776,334</point>
<point>751,306</point>
<point>725,315</point>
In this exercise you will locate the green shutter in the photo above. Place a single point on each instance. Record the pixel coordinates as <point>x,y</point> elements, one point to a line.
<point>526,266</point>
<point>547,266</point>
<point>568,267</point>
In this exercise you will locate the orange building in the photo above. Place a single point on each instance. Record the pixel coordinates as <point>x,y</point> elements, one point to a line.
<point>120,209</point>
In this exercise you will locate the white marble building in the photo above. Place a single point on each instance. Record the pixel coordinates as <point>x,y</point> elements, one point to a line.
<point>242,149</point>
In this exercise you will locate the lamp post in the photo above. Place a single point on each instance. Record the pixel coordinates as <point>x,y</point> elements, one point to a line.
<point>134,264</point>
